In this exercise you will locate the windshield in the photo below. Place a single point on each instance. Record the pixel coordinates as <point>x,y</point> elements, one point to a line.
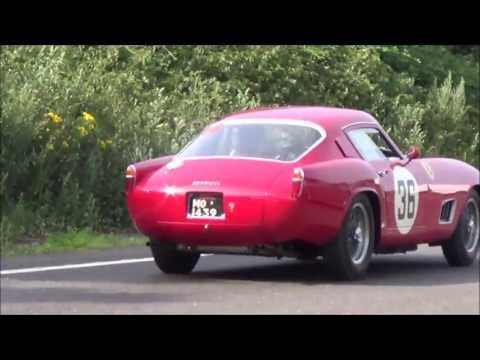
<point>273,141</point>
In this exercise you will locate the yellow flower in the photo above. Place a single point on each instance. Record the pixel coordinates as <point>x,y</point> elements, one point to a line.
<point>88,117</point>
<point>51,147</point>
<point>65,144</point>
<point>104,143</point>
<point>83,132</point>
<point>89,120</point>
<point>56,119</point>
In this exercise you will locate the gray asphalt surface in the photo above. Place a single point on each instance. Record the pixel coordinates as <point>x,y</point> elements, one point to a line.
<point>414,283</point>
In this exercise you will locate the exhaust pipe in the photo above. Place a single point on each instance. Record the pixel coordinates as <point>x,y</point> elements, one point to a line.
<point>231,250</point>
<point>267,251</point>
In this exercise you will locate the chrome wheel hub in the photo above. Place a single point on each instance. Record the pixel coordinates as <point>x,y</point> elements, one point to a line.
<point>473,225</point>
<point>359,238</point>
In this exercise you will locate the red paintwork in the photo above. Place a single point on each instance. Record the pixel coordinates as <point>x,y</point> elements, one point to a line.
<point>266,213</point>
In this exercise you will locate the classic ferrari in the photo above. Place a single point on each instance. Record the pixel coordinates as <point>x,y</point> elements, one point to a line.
<point>302,182</point>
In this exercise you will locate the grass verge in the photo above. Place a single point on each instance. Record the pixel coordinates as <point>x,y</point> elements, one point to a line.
<point>72,241</point>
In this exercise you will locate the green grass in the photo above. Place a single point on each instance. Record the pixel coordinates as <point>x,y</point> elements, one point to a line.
<point>73,241</point>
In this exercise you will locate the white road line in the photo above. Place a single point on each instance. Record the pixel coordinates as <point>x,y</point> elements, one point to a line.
<point>77,266</point>
<point>74,266</point>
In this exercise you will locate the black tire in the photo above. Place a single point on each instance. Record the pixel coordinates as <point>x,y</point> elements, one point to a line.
<point>461,249</point>
<point>338,256</point>
<point>172,261</point>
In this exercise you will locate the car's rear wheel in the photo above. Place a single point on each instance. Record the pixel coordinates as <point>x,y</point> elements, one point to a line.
<point>172,261</point>
<point>462,248</point>
<point>348,257</point>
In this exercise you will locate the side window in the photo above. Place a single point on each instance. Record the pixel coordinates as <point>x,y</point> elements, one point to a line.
<point>371,144</point>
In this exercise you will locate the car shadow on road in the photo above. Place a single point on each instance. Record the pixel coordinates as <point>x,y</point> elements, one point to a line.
<point>387,270</point>
<point>392,271</point>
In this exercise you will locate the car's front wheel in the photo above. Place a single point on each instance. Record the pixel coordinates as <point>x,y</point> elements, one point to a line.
<point>172,261</point>
<point>348,257</point>
<point>462,248</point>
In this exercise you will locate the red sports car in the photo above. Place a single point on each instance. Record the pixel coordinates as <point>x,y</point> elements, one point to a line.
<point>303,182</point>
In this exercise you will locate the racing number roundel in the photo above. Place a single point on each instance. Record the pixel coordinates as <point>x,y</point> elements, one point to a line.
<point>406,199</point>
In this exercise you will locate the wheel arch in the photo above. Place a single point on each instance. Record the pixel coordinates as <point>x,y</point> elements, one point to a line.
<point>476,188</point>
<point>348,178</point>
<point>461,206</point>
<point>374,198</point>
<point>377,213</point>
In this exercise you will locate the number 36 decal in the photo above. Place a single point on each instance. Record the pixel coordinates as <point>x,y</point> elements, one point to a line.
<point>406,199</point>
<point>407,191</point>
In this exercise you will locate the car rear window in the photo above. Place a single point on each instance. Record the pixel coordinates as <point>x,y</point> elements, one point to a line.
<point>272,141</point>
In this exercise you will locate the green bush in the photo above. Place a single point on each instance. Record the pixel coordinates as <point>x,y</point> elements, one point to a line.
<point>73,117</point>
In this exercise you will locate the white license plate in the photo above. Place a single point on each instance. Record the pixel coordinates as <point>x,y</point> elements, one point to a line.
<point>205,206</point>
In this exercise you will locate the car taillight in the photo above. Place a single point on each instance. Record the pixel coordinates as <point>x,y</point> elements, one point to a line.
<point>130,177</point>
<point>298,179</point>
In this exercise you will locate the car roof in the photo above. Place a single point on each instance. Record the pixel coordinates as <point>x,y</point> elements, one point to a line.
<point>330,118</point>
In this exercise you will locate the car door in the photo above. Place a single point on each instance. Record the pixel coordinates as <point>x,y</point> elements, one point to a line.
<point>403,189</point>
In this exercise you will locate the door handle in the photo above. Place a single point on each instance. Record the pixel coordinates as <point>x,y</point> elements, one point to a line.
<point>383,173</point>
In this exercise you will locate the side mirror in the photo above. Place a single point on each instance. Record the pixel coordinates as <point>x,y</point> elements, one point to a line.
<point>413,153</point>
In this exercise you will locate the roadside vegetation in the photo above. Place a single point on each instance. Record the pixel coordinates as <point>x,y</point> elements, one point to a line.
<point>84,239</point>
<point>73,117</point>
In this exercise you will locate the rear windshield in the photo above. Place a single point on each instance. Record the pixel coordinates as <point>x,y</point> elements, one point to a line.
<point>284,142</point>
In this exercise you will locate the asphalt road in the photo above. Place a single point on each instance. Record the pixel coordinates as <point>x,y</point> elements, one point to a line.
<point>414,283</point>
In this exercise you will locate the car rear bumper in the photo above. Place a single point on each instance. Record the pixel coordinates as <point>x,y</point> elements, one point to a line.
<point>213,233</point>
<point>280,220</point>
<point>219,233</point>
